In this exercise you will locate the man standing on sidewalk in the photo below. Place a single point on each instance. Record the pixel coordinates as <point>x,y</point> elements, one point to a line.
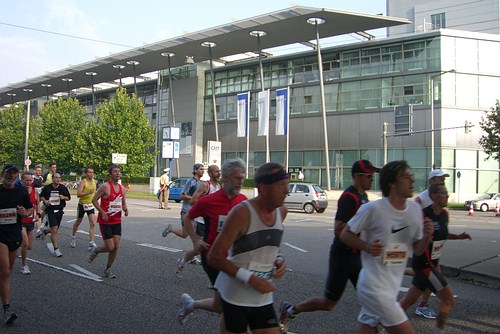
<point>164,189</point>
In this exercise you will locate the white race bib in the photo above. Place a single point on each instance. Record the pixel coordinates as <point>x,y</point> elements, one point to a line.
<point>220,223</point>
<point>54,198</point>
<point>436,249</point>
<point>88,207</point>
<point>395,254</point>
<point>261,269</point>
<point>8,216</point>
<point>115,206</point>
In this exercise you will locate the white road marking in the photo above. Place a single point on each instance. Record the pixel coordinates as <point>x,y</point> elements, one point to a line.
<point>295,247</point>
<point>71,220</point>
<point>65,270</point>
<point>168,249</point>
<point>405,289</point>
<point>87,233</point>
<point>86,272</point>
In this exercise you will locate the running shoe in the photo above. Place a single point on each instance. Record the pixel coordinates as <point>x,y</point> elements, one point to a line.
<point>195,260</point>
<point>43,232</point>
<point>25,270</point>
<point>72,241</point>
<point>38,234</point>
<point>187,307</point>
<point>286,316</point>
<point>426,312</point>
<point>167,230</point>
<point>92,244</point>
<point>93,254</point>
<point>180,267</point>
<point>9,316</point>
<point>108,274</point>
<point>57,252</point>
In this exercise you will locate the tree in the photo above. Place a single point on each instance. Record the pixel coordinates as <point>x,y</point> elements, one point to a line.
<point>12,134</point>
<point>491,125</point>
<point>119,126</point>
<point>57,129</point>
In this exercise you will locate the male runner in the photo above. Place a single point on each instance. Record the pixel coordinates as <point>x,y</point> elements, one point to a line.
<point>85,191</point>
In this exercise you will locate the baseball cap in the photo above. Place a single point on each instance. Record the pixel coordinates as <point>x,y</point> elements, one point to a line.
<point>437,172</point>
<point>9,167</point>
<point>364,167</point>
<point>166,169</point>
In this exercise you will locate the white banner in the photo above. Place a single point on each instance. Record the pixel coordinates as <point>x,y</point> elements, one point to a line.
<point>214,150</point>
<point>282,111</point>
<point>263,113</point>
<point>243,114</point>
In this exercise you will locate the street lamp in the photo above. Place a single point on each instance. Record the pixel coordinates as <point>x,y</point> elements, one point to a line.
<point>171,101</point>
<point>28,113</point>
<point>211,45</point>
<point>134,63</point>
<point>67,80</point>
<point>11,97</point>
<point>119,67</point>
<point>431,86</point>
<point>259,34</point>
<point>316,21</point>
<point>92,74</point>
<point>47,88</point>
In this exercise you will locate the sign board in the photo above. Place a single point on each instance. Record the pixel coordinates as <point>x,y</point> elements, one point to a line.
<point>170,133</point>
<point>214,149</point>
<point>119,158</point>
<point>27,162</point>
<point>170,149</point>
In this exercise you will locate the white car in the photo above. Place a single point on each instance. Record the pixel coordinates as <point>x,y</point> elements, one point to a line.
<point>306,197</point>
<point>484,203</point>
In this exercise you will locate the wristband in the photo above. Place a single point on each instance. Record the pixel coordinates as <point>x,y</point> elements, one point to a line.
<point>243,275</point>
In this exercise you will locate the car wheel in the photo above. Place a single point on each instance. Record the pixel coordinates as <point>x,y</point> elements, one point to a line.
<point>320,211</point>
<point>484,207</point>
<point>308,208</point>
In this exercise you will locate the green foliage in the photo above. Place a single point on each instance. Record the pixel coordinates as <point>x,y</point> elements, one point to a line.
<point>119,126</point>
<point>12,134</point>
<point>491,125</point>
<point>56,132</point>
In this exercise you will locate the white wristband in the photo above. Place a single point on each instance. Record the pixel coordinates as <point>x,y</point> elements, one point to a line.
<point>243,275</point>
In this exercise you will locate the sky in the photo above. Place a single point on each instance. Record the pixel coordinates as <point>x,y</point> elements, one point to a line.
<point>34,33</point>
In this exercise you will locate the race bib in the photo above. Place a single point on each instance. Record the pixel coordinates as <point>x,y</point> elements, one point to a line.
<point>54,198</point>
<point>220,223</point>
<point>115,206</point>
<point>395,254</point>
<point>261,269</point>
<point>436,249</point>
<point>88,207</point>
<point>8,216</point>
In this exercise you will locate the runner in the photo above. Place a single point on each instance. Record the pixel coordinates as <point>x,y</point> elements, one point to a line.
<point>386,230</point>
<point>28,223</point>
<point>85,191</point>
<point>214,209</point>
<point>345,262</point>
<point>112,196</point>
<point>54,196</point>
<point>425,266</point>
<point>246,253</point>
<point>15,203</point>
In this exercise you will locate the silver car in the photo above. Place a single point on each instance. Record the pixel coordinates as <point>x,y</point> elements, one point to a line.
<point>307,197</point>
<point>485,203</point>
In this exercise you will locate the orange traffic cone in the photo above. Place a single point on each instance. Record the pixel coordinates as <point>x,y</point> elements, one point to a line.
<point>471,209</point>
<point>497,210</point>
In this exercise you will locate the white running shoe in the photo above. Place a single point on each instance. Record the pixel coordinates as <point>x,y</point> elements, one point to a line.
<point>180,267</point>
<point>92,244</point>
<point>72,241</point>
<point>93,254</point>
<point>25,270</point>
<point>187,307</point>
<point>167,230</point>
<point>57,253</point>
<point>108,274</point>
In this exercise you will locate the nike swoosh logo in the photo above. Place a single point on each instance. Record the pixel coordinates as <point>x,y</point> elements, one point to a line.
<point>396,230</point>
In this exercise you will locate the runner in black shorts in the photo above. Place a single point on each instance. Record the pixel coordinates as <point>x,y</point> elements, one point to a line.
<point>427,275</point>
<point>344,262</point>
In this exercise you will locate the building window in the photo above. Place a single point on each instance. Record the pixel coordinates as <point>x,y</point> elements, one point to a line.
<point>438,21</point>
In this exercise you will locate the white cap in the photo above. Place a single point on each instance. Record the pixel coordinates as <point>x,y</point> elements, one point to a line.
<point>437,172</point>
<point>166,170</point>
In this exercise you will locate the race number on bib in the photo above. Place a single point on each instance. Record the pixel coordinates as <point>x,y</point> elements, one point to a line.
<point>115,206</point>
<point>436,249</point>
<point>88,207</point>
<point>8,216</point>
<point>395,254</point>
<point>220,223</point>
<point>54,198</point>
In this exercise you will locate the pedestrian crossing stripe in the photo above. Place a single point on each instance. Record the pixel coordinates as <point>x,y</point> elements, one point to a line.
<point>168,249</point>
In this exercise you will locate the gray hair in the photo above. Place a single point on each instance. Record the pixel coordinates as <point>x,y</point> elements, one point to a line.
<point>229,166</point>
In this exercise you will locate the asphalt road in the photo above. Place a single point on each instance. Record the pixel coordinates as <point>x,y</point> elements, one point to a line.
<point>66,295</point>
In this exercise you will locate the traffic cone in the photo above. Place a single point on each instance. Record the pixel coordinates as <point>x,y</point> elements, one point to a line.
<point>471,209</point>
<point>497,210</point>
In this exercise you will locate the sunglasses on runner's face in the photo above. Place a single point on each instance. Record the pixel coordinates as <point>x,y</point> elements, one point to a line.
<point>367,175</point>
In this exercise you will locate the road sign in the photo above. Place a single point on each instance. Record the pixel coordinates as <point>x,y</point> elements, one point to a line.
<point>119,158</point>
<point>27,162</point>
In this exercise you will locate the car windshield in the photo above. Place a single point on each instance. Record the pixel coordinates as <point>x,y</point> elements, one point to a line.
<point>487,196</point>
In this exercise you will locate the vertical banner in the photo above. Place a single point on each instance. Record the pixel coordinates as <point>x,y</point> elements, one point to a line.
<point>282,111</point>
<point>263,112</point>
<point>214,150</point>
<point>243,114</point>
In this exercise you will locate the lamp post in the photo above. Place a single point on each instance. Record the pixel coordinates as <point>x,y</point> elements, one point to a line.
<point>92,74</point>
<point>171,101</point>
<point>119,67</point>
<point>211,45</point>
<point>134,63</point>
<point>431,87</point>
<point>259,34</point>
<point>47,89</point>
<point>28,114</point>
<point>316,22</point>
<point>11,97</point>
<point>67,80</point>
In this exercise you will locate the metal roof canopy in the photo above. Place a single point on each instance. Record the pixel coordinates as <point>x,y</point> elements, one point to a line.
<point>282,27</point>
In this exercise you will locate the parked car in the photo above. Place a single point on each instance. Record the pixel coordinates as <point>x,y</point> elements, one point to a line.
<point>484,203</point>
<point>307,197</point>
<point>176,189</point>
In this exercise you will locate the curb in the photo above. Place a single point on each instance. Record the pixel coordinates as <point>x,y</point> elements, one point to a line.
<point>473,277</point>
